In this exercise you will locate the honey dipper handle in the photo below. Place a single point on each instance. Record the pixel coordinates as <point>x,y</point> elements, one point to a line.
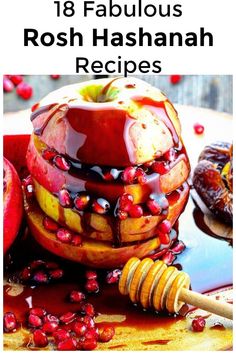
<point>206,303</point>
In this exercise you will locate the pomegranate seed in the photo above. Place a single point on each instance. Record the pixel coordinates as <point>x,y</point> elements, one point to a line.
<point>50,327</point>
<point>92,333</point>
<point>40,277</point>
<point>37,311</point>
<point>128,175</point>
<point>64,198</point>
<point>50,318</point>
<point>48,154</point>
<point>16,79</point>
<point>60,335</point>
<point>92,286</point>
<point>40,338</point>
<point>87,344</point>
<point>55,77</point>
<point>107,176</point>
<point>125,202</point>
<point>64,235</point>
<point>89,322</point>
<point>50,225</point>
<point>38,263</point>
<point>91,274</point>
<point>76,240</point>
<point>10,322</point>
<point>136,211</point>
<point>178,247</point>
<point>198,324</point>
<point>164,227</point>
<point>170,155</point>
<point>198,129</point>
<point>80,328</point>
<point>122,215</point>
<point>26,274</point>
<point>101,206</point>
<point>153,206</point>
<point>35,106</point>
<point>8,86</point>
<point>56,274</point>
<point>175,79</point>
<point>24,90</point>
<point>168,258</point>
<point>77,296</point>
<point>87,309</point>
<point>113,276</point>
<point>158,254</point>
<point>141,176</point>
<point>61,163</point>
<point>68,317</point>
<point>164,238</point>
<point>67,344</point>
<point>107,334</point>
<point>160,167</point>
<point>81,201</point>
<point>51,265</point>
<point>34,321</point>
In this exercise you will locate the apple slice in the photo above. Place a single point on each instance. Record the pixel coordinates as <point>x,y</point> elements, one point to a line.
<point>12,204</point>
<point>103,227</point>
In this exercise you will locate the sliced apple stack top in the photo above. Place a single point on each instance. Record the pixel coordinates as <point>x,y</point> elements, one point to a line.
<point>109,170</point>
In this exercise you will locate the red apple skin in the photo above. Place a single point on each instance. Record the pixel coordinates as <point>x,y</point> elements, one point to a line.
<point>13,205</point>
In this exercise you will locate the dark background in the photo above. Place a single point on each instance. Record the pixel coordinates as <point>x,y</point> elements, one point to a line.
<point>210,91</point>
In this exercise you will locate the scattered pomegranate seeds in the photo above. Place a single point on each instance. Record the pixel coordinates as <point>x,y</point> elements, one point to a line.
<point>128,175</point>
<point>164,226</point>
<point>164,238</point>
<point>89,322</point>
<point>48,154</point>
<point>34,321</point>
<point>198,324</point>
<point>175,79</point>
<point>76,296</point>
<point>136,211</point>
<point>9,322</point>
<point>178,247</point>
<point>26,274</point>
<point>92,333</point>
<point>64,198</point>
<point>61,163</point>
<point>36,264</point>
<point>64,235</point>
<point>168,258</point>
<point>60,335</point>
<point>50,225</point>
<point>67,344</point>
<point>101,206</point>
<point>91,274</point>
<point>76,240</point>
<point>81,201</point>
<point>160,167</point>
<point>125,202</point>
<point>40,338</point>
<point>8,86</point>
<point>50,318</point>
<point>153,206</point>
<point>88,344</point>
<point>37,311</point>
<point>141,176</point>
<point>122,215</point>
<point>24,90</point>
<point>92,286</point>
<point>56,274</point>
<point>80,328</point>
<point>16,79</point>
<point>55,77</point>
<point>113,276</point>
<point>198,129</point>
<point>40,277</point>
<point>107,334</point>
<point>68,317</point>
<point>87,309</point>
<point>50,327</point>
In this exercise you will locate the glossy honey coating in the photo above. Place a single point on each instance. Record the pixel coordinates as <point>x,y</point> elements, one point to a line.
<point>153,284</point>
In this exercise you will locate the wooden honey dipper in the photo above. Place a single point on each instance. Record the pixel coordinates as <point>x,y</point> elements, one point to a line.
<point>153,284</point>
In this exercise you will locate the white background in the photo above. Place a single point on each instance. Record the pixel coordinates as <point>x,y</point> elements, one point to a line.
<point>216,16</point>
